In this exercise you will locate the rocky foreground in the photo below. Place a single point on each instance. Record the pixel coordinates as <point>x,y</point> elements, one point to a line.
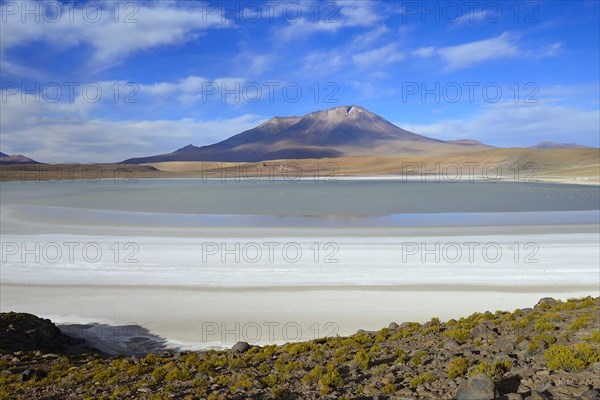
<point>551,351</point>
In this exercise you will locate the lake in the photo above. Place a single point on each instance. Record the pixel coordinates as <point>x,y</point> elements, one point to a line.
<point>178,258</point>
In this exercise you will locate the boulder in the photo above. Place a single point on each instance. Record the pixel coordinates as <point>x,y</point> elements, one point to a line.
<point>478,387</point>
<point>535,395</point>
<point>451,345</point>
<point>570,390</point>
<point>482,331</point>
<point>591,394</point>
<point>546,301</point>
<point>240,347</point>
<point>506,344</point>
<point>21,332</point>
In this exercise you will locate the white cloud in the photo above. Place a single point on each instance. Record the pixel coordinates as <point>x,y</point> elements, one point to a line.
<point>500,47</point>
<point>136,27</point>
<point>360,13</point>
<point>517,124</point>
<point>551,50</point>
<point>424,52</point>
<point>338,15</point>
<point>58,132</point>
<point>196,88</point>
<point>380,56</point>
<point>369,37</point>
<point>323,63</point>
<point>464,55</point>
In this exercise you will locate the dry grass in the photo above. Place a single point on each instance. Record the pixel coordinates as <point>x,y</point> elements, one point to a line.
<point>550,165</point>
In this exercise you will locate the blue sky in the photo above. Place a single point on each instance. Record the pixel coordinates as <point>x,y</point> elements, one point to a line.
<point>104,81</point>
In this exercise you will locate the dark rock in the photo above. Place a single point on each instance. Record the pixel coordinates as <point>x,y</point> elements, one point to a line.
<point>500,356</point>
<point>451,345</point>
<point>546,301</point>
<point>535,395</point>
<point>26,332</point>
<point>591,394</point>
<point>26,375</point>
<point>570,390</point>
<point>482,331</point>
<point>393,326</point>
<point>240,347</point>
<point>542,386</point>
<point>594,367</point>
<point>506,344</point>
<point>478,387</point>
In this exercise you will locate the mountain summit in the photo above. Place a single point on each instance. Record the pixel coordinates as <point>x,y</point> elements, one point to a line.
<point>336,132</point>
<point>15,159</point>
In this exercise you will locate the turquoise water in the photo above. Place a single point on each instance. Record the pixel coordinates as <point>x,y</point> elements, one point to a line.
<point>303,198</point>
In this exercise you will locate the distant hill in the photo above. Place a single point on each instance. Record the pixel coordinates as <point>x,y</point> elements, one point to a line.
<point>467,142</point>
<point>554,145</point>
<point>16,159</point>
<point>336,132</point>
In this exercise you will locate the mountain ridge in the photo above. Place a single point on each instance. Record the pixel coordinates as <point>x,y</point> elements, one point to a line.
<point>336,132</point>
<point>16,159</point>
<point>554,145</point>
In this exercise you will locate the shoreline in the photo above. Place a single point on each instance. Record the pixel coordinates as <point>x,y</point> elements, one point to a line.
<point>197,318</point>
<point>549,349</point>
<point>444,288</point>
<point>426,178</point>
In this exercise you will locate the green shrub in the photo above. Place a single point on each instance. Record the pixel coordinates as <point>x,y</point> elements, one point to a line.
<point>542,326</point>
<point>278,392</point>
<point>542,340</point>
<point>424,377</point>
<point>380,369</point>
<point>458,334</point>
<point>411,328</point>
<point>401,356</point>
<point>458,366</point>
<point>313,376</point>
<point>270,380</point>
<point>178,374</point>
<point>382,335</point>
<point>389,388</point>
<point>237,363</point>
<point>594,337</point>
<point>362,360</point>
<point>299,348</point>
<point>588,353</point>
<point>222,380</point>
<point>242,385</point>
<point>159,373</point>
<point>434,326</point>
<point>418,358</point>
<point>341,354</point>
<point>559,357</point>
<point>495,371</point>
<point>331,379</point>
<point>580,323</point>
